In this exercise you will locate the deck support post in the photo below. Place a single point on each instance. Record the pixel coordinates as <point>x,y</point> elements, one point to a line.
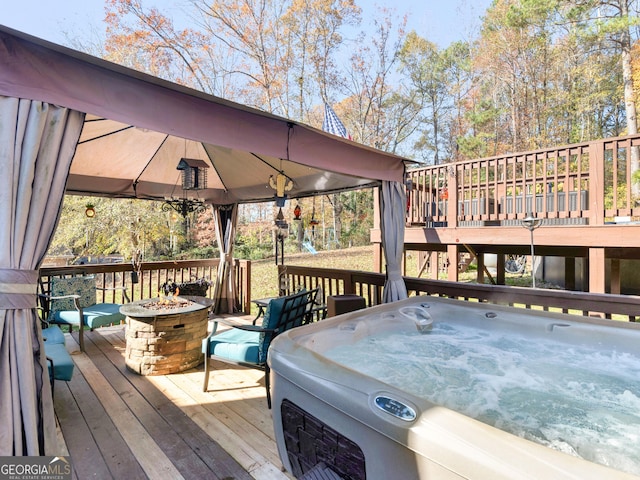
<point>500,277</point>
<point>596,270</point>
<point>569,273</point>
<point>615,276</point>
<point>480,264</point>
<point>452,267</point>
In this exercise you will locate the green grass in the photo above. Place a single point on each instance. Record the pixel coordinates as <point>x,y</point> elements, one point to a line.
<point>264,273</point>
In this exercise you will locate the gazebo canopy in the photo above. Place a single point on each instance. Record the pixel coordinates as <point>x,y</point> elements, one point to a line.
<point>138,127</point>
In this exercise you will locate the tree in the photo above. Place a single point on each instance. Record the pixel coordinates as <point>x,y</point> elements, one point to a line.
<point>514,57</point>
<point>152,44</point>
<point>119,227</point>
<point>439,80</point>
<point>315,27</point>
<point>612,21</point>
<point>547,71</point>
<point>378,113</point>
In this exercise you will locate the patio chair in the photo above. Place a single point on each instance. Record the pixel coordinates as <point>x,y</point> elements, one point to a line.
<point>59,361</point>
<point>247,345</point>
<point>72,301</point>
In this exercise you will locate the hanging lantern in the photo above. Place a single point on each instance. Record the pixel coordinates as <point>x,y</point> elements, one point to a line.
<point>194,173</point>
<point>194,177</point>
<point>296,212</point>
<point>90,211</point>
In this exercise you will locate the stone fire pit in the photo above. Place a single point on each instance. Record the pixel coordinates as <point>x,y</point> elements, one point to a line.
<point>165,338</point>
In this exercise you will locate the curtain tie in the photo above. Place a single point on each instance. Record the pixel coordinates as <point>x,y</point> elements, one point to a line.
<point>18,289</point>
<point>394,274</point>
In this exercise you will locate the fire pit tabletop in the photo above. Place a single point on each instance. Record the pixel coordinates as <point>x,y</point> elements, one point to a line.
<point>140,309</point>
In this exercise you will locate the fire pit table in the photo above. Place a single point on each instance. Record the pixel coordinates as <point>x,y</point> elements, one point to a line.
<point>164,335</point>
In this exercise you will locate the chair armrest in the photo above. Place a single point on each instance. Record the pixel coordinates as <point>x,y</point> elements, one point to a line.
<point>111,289</point>
<point>216,321</point>
<point>241,326</point>
<point>58,297</point>
<point>255,328</point>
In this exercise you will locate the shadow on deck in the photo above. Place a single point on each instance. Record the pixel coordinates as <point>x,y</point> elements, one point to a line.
<point>114,423</point>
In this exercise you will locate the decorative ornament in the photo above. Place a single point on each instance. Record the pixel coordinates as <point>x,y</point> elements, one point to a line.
<point>90,211</point>
<point>281,184</point>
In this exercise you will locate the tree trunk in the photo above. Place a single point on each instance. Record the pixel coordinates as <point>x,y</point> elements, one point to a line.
<point>629,97</point>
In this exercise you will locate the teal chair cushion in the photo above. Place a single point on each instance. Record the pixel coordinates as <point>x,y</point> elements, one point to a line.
<point>62,363</point>
<point>234,344</point>
<point>66,317</point>
<point>53,334</point>
<point>270,320</point>
<point>94,316</point>
<point>102,314</point>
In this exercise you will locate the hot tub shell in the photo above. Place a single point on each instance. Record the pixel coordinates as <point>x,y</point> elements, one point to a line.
<point>439,443</point>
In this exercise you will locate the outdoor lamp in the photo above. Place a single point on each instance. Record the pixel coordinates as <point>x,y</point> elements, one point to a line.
<point>194,177</point>
<point>90,211</point>
<point>531,223</point>
<point>194,173</point>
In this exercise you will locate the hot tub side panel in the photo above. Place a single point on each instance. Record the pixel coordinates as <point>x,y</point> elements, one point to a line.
<point>302,442</point>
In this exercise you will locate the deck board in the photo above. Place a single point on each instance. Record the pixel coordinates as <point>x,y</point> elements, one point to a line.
<point>180,438</point>
<point>118,424</point>
<point>77,428</point>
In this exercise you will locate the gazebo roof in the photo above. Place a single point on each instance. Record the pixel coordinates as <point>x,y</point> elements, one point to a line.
<point>138,127</point>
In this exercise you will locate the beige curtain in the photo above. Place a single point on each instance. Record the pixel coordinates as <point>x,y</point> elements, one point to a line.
<point>393,201</point>
<point>37,143</point>
<point>225,295</point>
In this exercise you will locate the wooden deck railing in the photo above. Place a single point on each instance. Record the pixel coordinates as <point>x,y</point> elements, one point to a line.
<point>369,285</point>
<point>587,183</point>
<point>152,275</point>
<point>337,282</point>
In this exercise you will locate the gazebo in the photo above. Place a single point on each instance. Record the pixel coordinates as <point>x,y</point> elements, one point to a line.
<point>73,123</point>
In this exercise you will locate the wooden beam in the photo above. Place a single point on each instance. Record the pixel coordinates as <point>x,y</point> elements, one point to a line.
<point>580,236</point>
<point>615,276</point>
<point>500,275</point>
<point>596,270</point>
<point>569,273</point>
<point>452,268</point>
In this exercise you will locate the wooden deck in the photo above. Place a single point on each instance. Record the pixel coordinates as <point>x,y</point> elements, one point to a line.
<point>116,424</point>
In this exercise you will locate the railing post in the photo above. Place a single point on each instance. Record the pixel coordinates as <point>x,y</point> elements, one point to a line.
<point>348,282</point>
<point>452,192</point>
<point>246,286</point>
<point>596,183</point>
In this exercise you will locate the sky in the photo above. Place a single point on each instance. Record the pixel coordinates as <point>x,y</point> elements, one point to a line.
<point>440,21</point>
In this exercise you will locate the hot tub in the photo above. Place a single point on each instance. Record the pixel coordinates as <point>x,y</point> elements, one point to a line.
<point>434,388</point>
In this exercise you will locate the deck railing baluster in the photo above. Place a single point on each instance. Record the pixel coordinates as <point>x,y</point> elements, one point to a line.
<point>152,275</point>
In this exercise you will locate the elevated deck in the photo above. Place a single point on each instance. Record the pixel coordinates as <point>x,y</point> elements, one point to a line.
<point>583,193</point>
